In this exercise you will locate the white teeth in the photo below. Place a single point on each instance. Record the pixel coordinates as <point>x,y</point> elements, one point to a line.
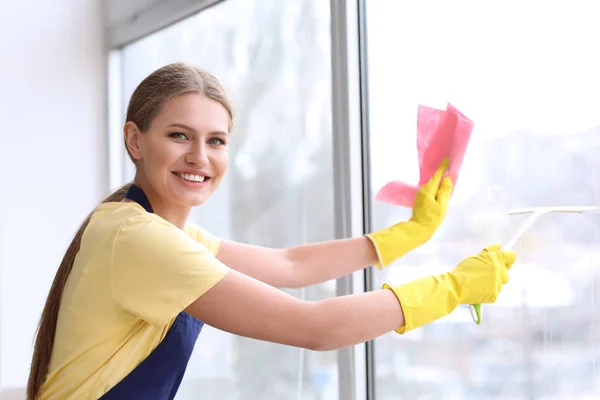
<point>192,177</point>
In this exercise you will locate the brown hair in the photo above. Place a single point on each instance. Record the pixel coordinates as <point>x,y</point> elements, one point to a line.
<point>146,102</point>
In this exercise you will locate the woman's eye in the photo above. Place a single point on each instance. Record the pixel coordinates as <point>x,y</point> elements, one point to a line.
<point>178,135</point>
<point>216,141</point>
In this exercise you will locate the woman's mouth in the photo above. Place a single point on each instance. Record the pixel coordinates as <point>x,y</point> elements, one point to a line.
<point>192,178</point>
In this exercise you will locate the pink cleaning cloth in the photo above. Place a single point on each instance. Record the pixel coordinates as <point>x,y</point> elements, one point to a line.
<point>440,133</point>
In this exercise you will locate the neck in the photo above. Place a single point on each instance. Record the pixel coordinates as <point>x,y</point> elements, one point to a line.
<point>176,215</point>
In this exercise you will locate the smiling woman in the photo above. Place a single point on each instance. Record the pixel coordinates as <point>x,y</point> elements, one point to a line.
<point>184,151</point>
<point>138,282</point>
<point>157,146</point>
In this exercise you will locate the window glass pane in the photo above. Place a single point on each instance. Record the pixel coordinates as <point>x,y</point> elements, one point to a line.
<point>528,75</point>
<point>273,57</point>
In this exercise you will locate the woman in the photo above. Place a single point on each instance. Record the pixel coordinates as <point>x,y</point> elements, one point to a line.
<point>138,281</point>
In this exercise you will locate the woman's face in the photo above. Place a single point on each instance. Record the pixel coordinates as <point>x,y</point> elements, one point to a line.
<point>184,155</point>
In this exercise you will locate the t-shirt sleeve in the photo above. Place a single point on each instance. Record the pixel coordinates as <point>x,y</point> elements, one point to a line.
<point>158,270</point>
<point>203,237</point>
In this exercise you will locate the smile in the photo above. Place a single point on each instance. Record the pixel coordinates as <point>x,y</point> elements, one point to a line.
<point>191,177</point>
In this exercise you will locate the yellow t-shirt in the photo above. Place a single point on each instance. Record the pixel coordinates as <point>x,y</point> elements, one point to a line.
<point>134,273</point>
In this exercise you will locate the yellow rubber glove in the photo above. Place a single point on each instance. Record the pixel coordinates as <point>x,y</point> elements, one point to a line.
<point>428,212</point>
<point>477,279</point>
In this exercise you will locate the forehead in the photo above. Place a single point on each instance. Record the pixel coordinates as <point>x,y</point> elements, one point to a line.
<point>195,110</point>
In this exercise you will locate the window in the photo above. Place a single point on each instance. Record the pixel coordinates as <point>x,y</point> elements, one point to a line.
<point>527,74</point>
<point>274,59</point>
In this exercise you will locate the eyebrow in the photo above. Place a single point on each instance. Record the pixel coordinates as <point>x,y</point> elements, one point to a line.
<point>189,128</point>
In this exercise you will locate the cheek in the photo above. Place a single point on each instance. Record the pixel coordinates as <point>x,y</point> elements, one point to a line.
<point>158,160</point>
<point>166,155</point>
<point>223,162</point>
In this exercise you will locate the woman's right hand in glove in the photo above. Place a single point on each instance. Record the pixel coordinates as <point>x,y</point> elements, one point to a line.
<point>476,279</point>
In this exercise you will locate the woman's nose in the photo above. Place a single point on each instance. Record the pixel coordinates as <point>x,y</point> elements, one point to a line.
<point>197,156</point>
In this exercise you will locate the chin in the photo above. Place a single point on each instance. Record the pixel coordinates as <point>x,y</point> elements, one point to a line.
<point>197,203</point>
<point>193,200</point>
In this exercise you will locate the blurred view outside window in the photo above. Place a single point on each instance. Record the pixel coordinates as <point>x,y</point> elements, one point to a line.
<point>528,74</point>
<point>273,57</point>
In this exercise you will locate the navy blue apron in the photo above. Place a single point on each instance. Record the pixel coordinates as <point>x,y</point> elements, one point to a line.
<point>160,374</point>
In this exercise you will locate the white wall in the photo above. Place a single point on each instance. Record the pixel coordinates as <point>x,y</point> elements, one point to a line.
<point>53,167</point>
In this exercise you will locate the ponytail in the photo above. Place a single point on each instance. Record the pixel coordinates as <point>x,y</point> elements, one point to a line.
<point>46,330</point>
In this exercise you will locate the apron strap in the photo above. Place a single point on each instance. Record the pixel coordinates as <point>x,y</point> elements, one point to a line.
<point>136,194</point>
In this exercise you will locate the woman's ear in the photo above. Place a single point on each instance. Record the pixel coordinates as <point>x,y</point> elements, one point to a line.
<point>132,139</point>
